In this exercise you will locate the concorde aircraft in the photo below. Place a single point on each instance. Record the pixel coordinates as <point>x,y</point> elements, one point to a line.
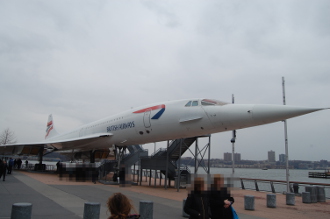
<point>159,122</point>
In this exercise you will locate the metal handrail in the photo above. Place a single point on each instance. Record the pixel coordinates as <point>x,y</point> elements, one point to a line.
<point>275,185</point>
<point>159,150</point>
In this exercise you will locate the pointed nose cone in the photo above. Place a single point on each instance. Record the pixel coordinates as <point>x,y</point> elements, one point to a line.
<point>272,113</point>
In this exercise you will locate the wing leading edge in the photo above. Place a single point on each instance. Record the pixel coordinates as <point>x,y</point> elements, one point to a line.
<point>86,143</point>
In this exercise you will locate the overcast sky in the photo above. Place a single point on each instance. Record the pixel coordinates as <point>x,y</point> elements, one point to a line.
<point>84,60</point>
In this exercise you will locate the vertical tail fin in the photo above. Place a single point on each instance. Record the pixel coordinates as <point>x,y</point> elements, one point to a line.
<point>50,130</point>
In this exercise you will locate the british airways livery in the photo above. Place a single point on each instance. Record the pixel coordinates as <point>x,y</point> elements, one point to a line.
<point>159,122</point>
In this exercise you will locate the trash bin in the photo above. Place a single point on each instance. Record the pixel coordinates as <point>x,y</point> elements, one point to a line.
<point>296,188</point>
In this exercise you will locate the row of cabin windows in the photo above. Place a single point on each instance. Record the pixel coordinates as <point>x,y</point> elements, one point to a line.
<point>205,102</point>
<point>119,118</point>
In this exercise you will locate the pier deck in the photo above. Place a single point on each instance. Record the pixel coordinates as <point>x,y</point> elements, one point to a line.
<point>53,198</point>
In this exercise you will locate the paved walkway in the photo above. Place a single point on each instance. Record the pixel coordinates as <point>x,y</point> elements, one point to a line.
<point>67,201</point>
<point>53,198</point>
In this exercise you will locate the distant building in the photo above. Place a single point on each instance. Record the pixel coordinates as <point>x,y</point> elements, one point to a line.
<point>282,158</point>
<point>227,156</point>
<point>237,157</point>
<point>324,163</point>
<point>271,156</point>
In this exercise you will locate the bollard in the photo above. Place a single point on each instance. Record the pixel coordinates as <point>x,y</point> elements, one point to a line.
<point>249,202</point>
<point>92,210</point>
<point>271,201</point>
<point>290,198</point>
<point>313,193</point>
<point>21,211</point>
<point>306,197</point>
<point>184,214</point>
<point>146,209</point>
<point>320,193</point>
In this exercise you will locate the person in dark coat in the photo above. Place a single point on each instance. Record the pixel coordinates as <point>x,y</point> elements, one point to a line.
<point>26,164</point>
<point>220,199</point>
<point>197,203</point>
<point>3,169</point>
<point>10,165</point>
<point>58,164</point>
<point>122,175</point>
<point>19,163</point>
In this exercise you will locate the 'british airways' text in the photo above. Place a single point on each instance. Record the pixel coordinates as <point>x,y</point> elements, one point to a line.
<point>121,126</point>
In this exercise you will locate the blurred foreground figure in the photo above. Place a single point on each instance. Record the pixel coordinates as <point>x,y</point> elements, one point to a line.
<point>120,207</point>
<point>197,203</point>
<point>3,169</point>
<point>220,199</point>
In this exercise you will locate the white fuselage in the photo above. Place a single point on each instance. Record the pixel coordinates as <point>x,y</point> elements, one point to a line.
<point>177,119</point>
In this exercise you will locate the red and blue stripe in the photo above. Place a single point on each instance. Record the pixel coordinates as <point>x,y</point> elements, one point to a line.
<point>158,114</point>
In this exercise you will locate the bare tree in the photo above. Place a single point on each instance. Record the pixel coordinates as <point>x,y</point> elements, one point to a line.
<point>7,137</point>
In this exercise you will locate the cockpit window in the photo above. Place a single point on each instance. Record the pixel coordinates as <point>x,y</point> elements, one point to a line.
<point>188,104</point>
<point>210,102</point>
<point>192,103</point>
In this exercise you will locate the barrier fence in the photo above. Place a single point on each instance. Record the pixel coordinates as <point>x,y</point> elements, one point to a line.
<point>279,186</point>
<point>266,185</point>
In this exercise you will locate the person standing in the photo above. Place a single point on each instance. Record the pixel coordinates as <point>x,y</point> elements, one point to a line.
<point>3,169</point>
<point>122,175</point>
<point>197,202</point>
<point>15,164</point>
<point>10,165</point>
<point>58,164</point>
<point>19,163</point>
<point>220,199</point>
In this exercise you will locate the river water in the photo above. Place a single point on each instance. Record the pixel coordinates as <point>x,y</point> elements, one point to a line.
<point>272,174</point>
<point>296,175</point>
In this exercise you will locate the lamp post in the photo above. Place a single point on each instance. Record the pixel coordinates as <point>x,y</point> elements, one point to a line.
<point>286,143</point>
<point>233,144</point>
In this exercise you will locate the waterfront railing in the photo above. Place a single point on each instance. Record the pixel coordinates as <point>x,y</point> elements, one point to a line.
<point>279,186</point>
<point>263,185</point>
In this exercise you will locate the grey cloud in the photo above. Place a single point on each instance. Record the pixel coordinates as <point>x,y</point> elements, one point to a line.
<point>84,60</point>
